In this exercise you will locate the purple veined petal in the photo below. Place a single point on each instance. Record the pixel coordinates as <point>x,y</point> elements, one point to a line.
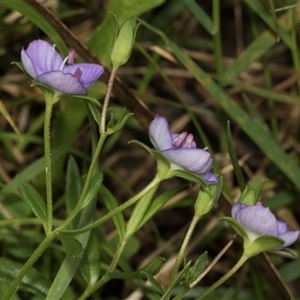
<point>209,177</point>
<point>65,83</point>
<point>90,72</point>
<point>160,134</point>
<point>258,219</point>
<point>195,160</point>
<point>236,209</point>
<point>28,65</point>
<point>289,238</point>
<point>44,56</point>
<point>282,227</point>
<point>174,136</point>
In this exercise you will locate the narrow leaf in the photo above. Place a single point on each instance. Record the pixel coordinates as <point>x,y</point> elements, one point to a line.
<point>235,163</point>
<point>73,189</point>
<point>95,185</point>
<point>111,203</point>
<point>33,198</point>
<point>72,246</point>
<point>33,281</point>
<point>90,266</point>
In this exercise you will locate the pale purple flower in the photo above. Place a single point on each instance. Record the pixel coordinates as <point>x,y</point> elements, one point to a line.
<point>43,63</point>
<point>258,221</point>
<point>181,150</point>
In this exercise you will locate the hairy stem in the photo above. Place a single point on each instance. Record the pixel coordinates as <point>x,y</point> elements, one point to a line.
<point>106,99</point>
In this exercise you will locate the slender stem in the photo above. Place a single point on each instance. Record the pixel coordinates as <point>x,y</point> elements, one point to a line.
<point>294,45</point>
<point>33,258</point>
<point>215,260</point>
<point>25,221</point>
<point>241,261</point>
<point>181,294</point>
<point>118,209</point>
<point>182,250</point>
<point>47,154</point>
<point>217,39</point>
<point>86,186</point>
<point>106,277</point>
<point>130,230</point>
<point>106,99</point>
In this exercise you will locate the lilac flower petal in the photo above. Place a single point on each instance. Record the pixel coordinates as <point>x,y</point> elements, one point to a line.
<point>289,238</point>
<point>282,227</point>
<point>236,209</point>
<point>160,134</point>
<point>195,160</point>
<point>209,177</point>
<point>90,72</point>
<point>44,56</point>
<point>258,219</point>
<point>65,83</point>
<point>28,64</point>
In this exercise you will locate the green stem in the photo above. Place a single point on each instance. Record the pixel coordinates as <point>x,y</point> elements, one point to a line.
<point>217,39</point>
<point>294,45</point>
<point>47,154</point>
<point>182,293</point>
<point>182,250</point>
<point>241,261</point>
<point>106,99</point>
<point>132,226</point>
<point>118,209</point>
<point>25,221</point>
<point>33,258</point>
<point>86,186</point>
<point>107,276</point>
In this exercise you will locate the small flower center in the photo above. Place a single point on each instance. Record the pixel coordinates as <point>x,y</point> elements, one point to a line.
<point>71,57</point>
<point>78,73</point>
<point>189,141</point>
<point>184,140</point>
<point>179,140</point>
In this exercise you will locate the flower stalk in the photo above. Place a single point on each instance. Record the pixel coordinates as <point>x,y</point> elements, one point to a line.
<point>236,267</point>
<point>48,171</point>
<point>106,99</point>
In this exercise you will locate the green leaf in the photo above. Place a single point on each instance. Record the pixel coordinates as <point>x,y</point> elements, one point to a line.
<point>187,175</point>
<point>159,202</point>
<point>201,16</point>
<point>123,9</point>
<point>154,266</point>
<point>197,269</point>
<point>111,203</point>
<point>90,266</point>
<point>33,198</point>
<point>95,113</point>
<point>33,281</point>
<point>90,100</point>
<point>251,54</point>
<point>237,227</point>
<point>73,189</point>
<point>153,282</point>
<point>235,163</point>
<point>263,243</point>
<point>72,246</point>
<point>111,128</point>
<point>93,190</point>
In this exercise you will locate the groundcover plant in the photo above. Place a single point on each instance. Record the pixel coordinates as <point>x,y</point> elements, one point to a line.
<point>149,149</point>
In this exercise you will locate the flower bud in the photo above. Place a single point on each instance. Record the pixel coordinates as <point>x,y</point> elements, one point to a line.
<point>207,197</point>
<point>123,42</point>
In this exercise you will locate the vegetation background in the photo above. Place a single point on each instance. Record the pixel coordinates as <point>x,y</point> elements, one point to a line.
<point>198,64</point>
